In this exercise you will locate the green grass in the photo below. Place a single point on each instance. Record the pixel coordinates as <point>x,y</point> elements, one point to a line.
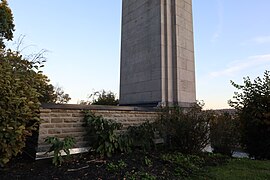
<point>241,169</point>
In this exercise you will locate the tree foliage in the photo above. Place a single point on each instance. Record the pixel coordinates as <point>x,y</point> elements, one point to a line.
<point>19,103</point>
<point>7,26</point>
<point>224,133</point>
<point>61,96</point>
<point>253,105</point>
<point>102,98</point>
<point>22,88</point>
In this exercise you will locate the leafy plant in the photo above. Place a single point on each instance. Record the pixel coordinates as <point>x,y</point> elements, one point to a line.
<point>116,167</point>
<point>7,25</point>
<point>102,134</point>
<point>19,105</point>
<point>58,147</point>
<point>139,175</point>
<point>125,142</point>
<point>224,133</point>
<point>22,88</point>
<point>185,129</point>
<point>142,136</point>
<point>252,103</point>
<point>147,161</point>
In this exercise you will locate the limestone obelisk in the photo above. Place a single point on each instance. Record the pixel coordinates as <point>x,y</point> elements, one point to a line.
<point>157,53</point>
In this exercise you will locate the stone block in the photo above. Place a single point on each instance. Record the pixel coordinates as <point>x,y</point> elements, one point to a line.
<point>45,119</point>
<point>46,126</point>
<point>54,131</point>
<point>72,120</point>
<point>59,119</point>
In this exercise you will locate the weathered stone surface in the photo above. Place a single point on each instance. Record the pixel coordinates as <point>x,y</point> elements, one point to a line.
<point>157,52</point>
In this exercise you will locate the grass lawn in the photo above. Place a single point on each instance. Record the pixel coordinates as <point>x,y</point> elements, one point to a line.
<point>241,169</point>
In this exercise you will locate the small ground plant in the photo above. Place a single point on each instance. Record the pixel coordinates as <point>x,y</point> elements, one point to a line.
<point>58,146</point>
<point>116,166</point>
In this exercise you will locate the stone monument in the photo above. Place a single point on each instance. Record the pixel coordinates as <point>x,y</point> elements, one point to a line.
<point>157,53</point>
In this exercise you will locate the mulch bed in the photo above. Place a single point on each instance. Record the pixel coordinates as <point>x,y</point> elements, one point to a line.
<point>87,166</point>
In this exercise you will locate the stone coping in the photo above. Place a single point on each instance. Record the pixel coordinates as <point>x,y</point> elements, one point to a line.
<point>96,107</point>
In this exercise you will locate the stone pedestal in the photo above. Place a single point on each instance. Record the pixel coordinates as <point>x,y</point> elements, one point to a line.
<point>157,53</point>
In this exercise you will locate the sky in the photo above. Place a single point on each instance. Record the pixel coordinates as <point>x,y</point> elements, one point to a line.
<point>82,43</point>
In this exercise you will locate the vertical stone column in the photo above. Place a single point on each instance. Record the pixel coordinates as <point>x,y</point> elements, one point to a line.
<point>157,53</point>
<point>185,63</point>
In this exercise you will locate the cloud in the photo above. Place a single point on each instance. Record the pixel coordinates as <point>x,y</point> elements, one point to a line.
<point>220,15</point>
<point>250,62</point>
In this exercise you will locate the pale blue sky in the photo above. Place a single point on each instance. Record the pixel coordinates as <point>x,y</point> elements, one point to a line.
<point>232,40</point>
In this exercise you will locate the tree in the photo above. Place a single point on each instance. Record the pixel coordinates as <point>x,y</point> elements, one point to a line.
<point>101,98</point>
<point>61,96</point>
<point>104,98</point>
<point>7,26</point>
<point>253,105</point>
<point>45,89</point>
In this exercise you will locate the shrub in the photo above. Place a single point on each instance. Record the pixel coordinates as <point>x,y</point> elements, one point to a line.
<point>19,105</point>
<point>105,136</point>
<point>102,134</point>
<point>185,129</point>
<point>224,133</point>
<point>58,146</point>
<point>142,136</point>
<point>253,105</point>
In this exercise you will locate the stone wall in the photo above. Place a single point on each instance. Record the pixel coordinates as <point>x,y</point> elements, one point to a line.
<point>67,120</point>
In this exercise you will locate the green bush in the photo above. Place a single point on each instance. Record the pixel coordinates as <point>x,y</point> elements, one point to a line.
<point>101,134</point>
<point>253,109</point>
<point>22,88</point>
<point>19,105</point>
<point>224,134</point>
<point>142,136</point>
<point>58,146</point>
<point>185,129</point>
<point>105,138</point>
